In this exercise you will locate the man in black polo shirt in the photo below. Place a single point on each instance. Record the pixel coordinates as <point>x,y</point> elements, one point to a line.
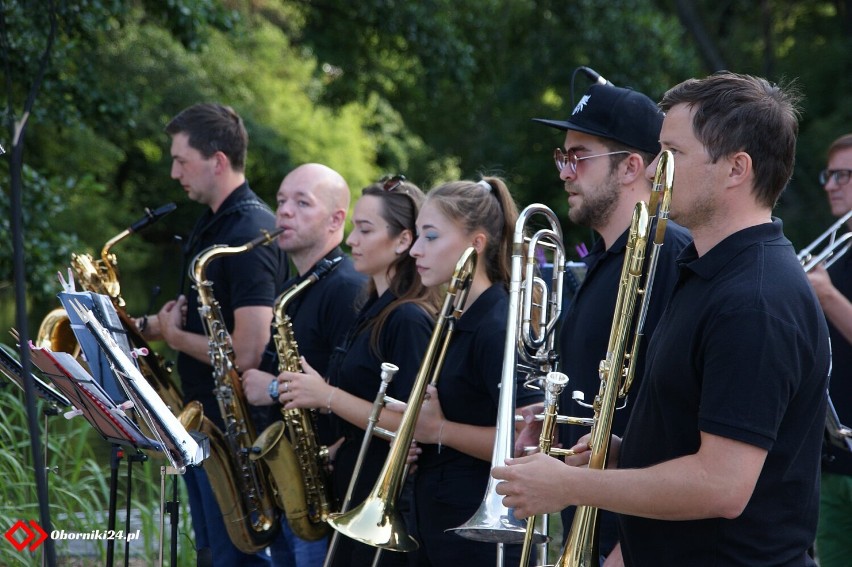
<point>720,460</point>
<point>610,138</point>
<point>313,201</point>
<point>208,151</point>
<point>834,288</point>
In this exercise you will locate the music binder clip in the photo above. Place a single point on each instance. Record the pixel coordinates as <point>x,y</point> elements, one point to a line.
<point>67,286</point>
<point>71,414</point>
<point>137,352</point>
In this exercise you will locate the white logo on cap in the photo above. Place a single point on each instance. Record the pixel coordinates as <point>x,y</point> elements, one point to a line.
<point>581,105</point>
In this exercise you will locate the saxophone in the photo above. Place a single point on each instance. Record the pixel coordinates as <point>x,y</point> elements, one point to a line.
<point>101,276</point>
<point>297,462</point>
<point>239,483</point>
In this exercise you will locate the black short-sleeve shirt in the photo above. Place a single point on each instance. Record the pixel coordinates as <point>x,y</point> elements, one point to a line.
<point>239,280</point>
<point>584,335</point>
<point>402,341</point>
<point>321,315</point>
<point>469,382</point>
<point>741,352</point>
<point>839,461</point>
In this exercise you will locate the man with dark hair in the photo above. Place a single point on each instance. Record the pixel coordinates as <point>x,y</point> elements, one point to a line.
<point>610,138</point>
<point>833,287</point>
<point>208,150</point>
<point>719,464</point>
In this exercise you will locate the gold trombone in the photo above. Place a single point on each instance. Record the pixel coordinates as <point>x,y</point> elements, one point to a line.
<point>618,368</point>
<point>832,246</point>
<point>377,521</point>
<point>388,372</point>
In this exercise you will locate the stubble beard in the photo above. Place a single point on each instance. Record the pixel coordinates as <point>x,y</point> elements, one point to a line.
<point>596,209</point>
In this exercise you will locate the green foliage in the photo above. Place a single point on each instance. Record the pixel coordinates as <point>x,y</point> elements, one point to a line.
<point>78,487</point>
<point>46,248</point>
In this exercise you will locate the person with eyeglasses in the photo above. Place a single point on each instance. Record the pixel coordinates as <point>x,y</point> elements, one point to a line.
<point>834,290</point>
<point>719,464</point>
<point>394,325</point>
<point>610,138</point>
<point>312,205</point>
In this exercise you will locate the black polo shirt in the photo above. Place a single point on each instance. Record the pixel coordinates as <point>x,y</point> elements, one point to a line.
<point>321,315</point>
<point>450,485</point>
<point>839,461</point>
<point>357,370</point>
<point>584,336</point>
<point>742,352</point>
<point>587,321</point>
<point>239,280</point>
<point>468,385</point>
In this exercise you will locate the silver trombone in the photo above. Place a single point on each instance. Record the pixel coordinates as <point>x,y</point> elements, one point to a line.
<point>529,348</point>
<point>831,246</point>
<point>388,372</point>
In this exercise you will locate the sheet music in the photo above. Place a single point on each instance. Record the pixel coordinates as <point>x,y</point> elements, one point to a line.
<point>11,368</point>
<point>86,395</point>
<point>180,447</point>
<point>99,366</point>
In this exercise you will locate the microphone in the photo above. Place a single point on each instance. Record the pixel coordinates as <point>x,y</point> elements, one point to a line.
<point>595,76</point>
<point>152,217</point>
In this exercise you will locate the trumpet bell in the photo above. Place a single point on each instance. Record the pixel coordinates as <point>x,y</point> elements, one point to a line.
<point>375,522</point>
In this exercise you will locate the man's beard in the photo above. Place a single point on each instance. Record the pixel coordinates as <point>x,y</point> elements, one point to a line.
<point>596,208</point>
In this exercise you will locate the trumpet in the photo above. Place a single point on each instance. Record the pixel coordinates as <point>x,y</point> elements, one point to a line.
<point>377,521</point>
<point>831,246</point>
<point>618,368</point>
<point>529,347</point>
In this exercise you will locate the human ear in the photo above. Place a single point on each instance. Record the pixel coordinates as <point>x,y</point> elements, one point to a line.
<point>404,241</point>
<point>479,242</point>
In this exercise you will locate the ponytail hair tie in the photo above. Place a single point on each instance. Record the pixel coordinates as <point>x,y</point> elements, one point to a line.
<point>486,185</point>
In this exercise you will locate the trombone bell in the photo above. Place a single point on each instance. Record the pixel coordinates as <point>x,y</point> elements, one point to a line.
<point>376,522</point>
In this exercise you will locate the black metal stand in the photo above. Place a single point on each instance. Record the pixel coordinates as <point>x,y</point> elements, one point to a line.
<point>172,508</point>
<point>116,454</point>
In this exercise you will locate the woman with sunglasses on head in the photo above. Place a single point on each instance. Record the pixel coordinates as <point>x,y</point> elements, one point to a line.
<point>456,426</point>
<point>394,325</point>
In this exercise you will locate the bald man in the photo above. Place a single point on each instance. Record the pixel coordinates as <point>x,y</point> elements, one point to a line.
<point>313,201</point>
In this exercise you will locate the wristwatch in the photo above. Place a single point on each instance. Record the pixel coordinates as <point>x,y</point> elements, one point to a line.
<point>273,390</point>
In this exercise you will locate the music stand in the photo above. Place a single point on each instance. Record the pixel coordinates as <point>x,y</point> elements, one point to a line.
<point>108,417</point>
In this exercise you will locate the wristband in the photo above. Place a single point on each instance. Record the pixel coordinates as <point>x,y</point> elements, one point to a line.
<point>273,390</point>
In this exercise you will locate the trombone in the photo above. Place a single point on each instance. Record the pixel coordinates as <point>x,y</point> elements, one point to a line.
<point>618,368</point>
<point>529,347</point>
<point>388,372</point>
<point>831,246</point>
<point>377,521</point>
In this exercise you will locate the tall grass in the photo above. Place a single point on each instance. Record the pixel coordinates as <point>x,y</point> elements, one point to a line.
<point>78,462</point>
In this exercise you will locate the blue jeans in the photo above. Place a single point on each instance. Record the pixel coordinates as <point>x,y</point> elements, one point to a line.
<point>211,536</point>
<point>288,550</point>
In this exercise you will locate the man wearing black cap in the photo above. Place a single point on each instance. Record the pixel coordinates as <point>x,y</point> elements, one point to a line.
<point>610,138</point>
<point>719,464</point>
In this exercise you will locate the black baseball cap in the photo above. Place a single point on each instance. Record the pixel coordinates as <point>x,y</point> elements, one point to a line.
<point>616,113</point>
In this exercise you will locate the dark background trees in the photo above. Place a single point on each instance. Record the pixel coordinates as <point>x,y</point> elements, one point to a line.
<point>435,89</point>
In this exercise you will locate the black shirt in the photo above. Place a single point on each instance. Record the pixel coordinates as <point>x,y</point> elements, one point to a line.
<point>741,352</point>
<point>321,315</point>
<point>239,280</point>
<point>584,336</point>
<point>839,461</point>
<point>357,370</point>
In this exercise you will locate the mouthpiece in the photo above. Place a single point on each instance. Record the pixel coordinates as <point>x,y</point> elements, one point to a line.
<point>152,217</point>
